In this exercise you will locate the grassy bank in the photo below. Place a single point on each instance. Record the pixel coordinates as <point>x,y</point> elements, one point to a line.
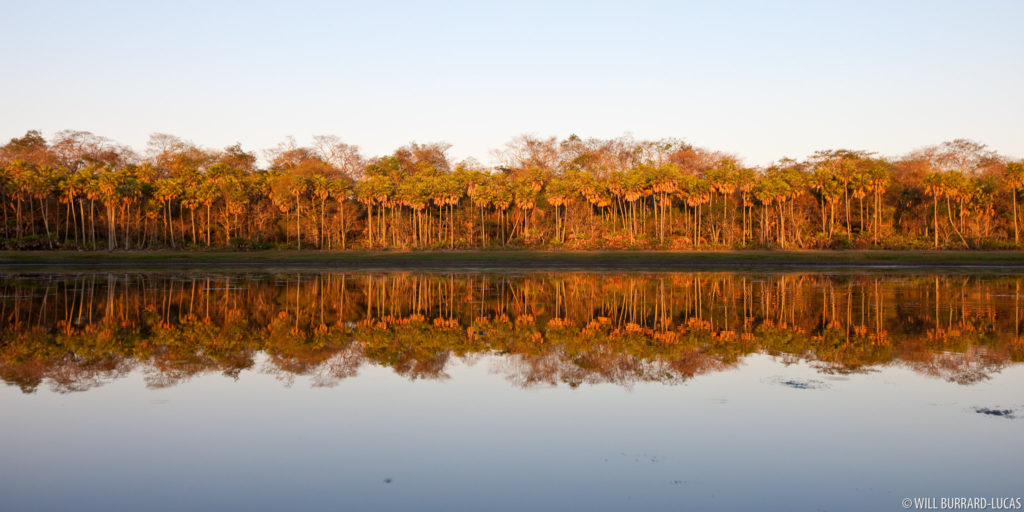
<point>638,260</point>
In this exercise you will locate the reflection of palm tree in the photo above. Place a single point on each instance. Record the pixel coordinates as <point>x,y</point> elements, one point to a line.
<point>582,327</point>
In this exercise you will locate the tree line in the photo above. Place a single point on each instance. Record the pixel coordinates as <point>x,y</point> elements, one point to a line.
<point>82,191</point>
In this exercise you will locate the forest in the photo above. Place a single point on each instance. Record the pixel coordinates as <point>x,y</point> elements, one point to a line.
<point>73,332</point>
<point>80,191</point>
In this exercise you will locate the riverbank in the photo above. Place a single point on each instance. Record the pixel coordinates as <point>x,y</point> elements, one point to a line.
<point>628,260</point>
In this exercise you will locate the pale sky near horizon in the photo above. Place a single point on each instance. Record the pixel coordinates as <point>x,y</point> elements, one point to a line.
<point>762,80</point>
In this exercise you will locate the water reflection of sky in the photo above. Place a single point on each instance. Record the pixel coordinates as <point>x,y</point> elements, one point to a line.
<point>739,439</point>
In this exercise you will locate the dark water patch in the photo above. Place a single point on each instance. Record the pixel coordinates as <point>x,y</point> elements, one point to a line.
<point>1009,414</point>
<point>800,383</point>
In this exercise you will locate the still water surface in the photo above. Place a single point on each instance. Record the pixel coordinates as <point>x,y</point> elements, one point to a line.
<point>536,391</point>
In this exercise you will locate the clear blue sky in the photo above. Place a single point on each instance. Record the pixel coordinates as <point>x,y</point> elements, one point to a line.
<point>761,79</point>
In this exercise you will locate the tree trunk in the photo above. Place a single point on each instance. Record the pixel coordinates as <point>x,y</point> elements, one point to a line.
<point>1016,231</point>
<point>208,224</point>
<point>323,225</point>
<point>341,206</point>
<point>949,212</point>
<point>92,221</point>
<point>298,222</point>
<point>44,206</point>
<point>18,218</point>
<point>846,197</point>
<point>111,232</point>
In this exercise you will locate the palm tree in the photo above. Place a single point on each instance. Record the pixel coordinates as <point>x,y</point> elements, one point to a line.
<point>416,195</point>
<point>91,184</point>
<point>320,186</point>
<point>206,194</point>
<point>860,183</point>
<point>664,185</point>
<point>502,196</point>
<point>109,189</point>
<point>1014,178</point>
<point>297,187</point>
<point>825,182</point>
<point>448,192</point>
<point>21,174</point>
<point>340,190</point>
<point>878,181</point>
<point>560,192</point>
<point>525,190</point>
<point>68,192</point>
<point>233,191</point>
<point>191,182</point>
<point>40,185</point>
<point>746,179</point>
<point>596,193</point>
<point>167,190</point>
<point>725,181</point>
<point>131,191</point>
<point>374,190</point>
<point>934,188</point>
<point>956,186</point>
<point>948,185</point>
<point>772,189</point>
<point>479,191</point>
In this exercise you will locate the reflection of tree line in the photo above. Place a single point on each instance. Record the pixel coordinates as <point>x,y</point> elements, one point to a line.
<point>78,331</point>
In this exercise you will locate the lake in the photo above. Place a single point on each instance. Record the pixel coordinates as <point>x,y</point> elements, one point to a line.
<point>323,390</point>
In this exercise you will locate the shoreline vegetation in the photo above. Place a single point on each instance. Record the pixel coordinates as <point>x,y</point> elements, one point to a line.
<point>520,259</point>
<point>81,192</point>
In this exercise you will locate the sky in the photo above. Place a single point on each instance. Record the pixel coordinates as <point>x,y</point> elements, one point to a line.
<point>761,80</point>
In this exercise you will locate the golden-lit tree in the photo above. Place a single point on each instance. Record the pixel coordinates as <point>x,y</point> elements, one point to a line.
<point>575,193</point>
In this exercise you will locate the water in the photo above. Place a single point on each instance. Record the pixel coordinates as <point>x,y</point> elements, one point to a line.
<point>537,391</point>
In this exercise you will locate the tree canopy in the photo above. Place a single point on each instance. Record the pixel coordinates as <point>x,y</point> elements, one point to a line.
<point>82,191</point>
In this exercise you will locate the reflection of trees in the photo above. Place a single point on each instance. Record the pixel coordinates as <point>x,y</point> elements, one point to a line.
<point>78,331</point>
